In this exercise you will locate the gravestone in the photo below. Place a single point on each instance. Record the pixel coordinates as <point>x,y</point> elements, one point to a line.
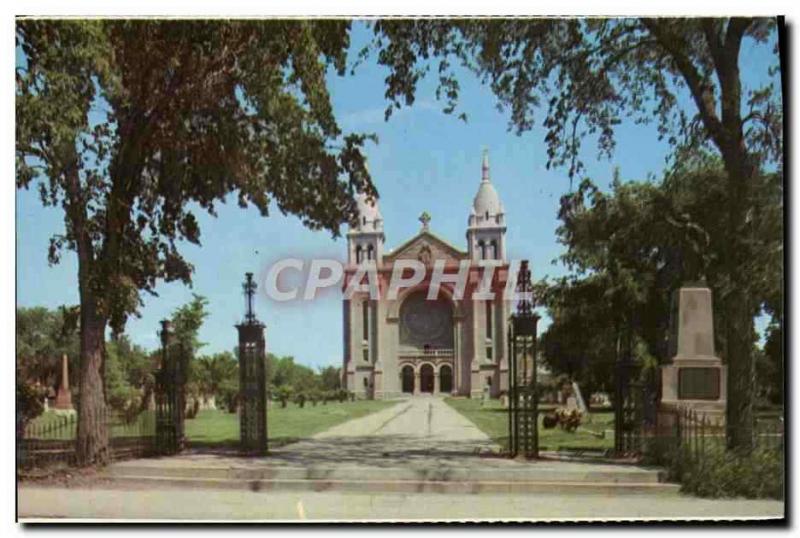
<point>696,378</point>
<point>580,404</point>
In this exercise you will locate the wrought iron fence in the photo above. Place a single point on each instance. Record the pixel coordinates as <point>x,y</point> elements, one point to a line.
<point>49,440</point>
<point>694,437</point>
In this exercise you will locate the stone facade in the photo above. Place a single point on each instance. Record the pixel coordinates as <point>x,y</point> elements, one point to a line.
<point>412,345</point>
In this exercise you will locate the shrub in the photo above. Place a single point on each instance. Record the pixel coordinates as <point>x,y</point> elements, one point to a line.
<point>283,394</point>
<point>29,403</point>
<point>722,473</point>
<point>300,399</point>
<point>717,472</point>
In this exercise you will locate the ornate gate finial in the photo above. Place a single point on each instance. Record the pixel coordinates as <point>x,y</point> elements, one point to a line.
<point>249,287</point>
<point>525,290</point>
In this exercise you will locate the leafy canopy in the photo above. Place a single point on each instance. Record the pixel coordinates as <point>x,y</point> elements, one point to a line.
<point>132,126</point>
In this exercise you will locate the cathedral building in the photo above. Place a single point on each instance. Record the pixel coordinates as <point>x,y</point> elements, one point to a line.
<point>412,344</point>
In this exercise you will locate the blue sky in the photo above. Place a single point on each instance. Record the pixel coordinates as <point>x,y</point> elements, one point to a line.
<point>424,161</point>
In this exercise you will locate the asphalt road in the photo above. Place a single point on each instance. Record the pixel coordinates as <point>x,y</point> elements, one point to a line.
<point>38,502</point>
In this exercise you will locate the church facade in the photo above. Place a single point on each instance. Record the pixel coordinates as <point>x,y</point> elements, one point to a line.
<point>443,345</point>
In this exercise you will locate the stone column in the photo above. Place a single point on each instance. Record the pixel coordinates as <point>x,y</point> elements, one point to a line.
<point>476,383</point>
<point>377,383</point>
<point>416,381</point>
<point>64,396</point>
<point>457,358</point>
<point>436,382</point>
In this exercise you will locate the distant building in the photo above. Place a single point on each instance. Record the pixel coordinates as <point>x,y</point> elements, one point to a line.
<point>412,345</point>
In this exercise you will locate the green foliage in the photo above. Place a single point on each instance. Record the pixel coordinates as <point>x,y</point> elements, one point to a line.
<point>190,111</point>
<point>330,378</point>
<point>283,394</point>
<point>218,375</point>
<point>722,473</point>
<point>583,77</point>
<point>185,115</point>
<point>186,323</point>
<point>30,402</point>
<point>129,376</point>
<point>300,398</point>
<point>629,249</point>
<point>769,366</point>
<point>43,337</point>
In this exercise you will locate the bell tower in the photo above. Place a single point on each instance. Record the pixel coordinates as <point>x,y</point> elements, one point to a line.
<point>365,239</point>
<point>486,230</point>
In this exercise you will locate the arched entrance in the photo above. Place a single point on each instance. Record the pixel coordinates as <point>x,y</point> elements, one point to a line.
<point>408,378</point>
<point>426,378</point>
<point>445,379</point>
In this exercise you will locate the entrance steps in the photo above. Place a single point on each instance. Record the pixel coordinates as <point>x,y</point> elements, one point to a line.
<point>500,476</point>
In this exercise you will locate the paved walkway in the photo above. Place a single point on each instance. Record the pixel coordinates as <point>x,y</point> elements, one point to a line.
<point>420,429</point>
<point>419,434</point>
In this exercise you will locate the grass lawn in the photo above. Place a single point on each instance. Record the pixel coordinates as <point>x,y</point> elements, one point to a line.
<point>211,428</point>
<point>492,419</point>
<point>285,425</point>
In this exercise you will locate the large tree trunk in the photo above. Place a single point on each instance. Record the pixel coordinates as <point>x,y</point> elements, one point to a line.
<point>741,373</point>
<point>91,445</point>
<point>92,441</point>
<point>737,305</point>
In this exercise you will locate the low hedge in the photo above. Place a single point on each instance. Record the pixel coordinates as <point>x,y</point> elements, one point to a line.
<point>719,473</point>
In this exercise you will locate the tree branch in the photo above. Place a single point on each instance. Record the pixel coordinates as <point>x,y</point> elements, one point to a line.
<point>698,85</point>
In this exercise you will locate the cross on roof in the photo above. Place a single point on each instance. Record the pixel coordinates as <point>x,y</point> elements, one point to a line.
<point>425,218</point>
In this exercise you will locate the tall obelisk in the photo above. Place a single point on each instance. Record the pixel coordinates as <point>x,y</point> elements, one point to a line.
<point>63,396</point>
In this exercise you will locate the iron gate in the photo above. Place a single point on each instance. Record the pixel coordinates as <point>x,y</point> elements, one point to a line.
<point>252,378</point>
<point>170,396</point>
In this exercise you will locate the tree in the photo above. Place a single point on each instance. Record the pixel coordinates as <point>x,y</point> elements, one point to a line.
<point>283,393</point>
<point>631,247</point>
<point>588,74</point>
<point>129,377</point>
<point>131,126</point>
<point>218,375</point>
<point>43,337</point>
<point>580,341</point>
<point>330,378</point>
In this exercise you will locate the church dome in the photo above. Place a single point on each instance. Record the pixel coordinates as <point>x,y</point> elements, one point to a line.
<point>487,201</point>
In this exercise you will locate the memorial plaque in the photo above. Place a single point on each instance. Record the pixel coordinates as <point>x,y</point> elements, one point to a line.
<point>699,384</point>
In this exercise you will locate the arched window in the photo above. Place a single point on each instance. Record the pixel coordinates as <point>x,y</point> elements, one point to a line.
<point>482,248</point>
<point>489,323</point>
<point>358,254</point>
<point>365,320</point>
<point>493,250</point>
<point>370,253</point>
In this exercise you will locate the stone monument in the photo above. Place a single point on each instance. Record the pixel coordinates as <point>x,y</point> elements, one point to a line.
<point>696,378</point>
<point>64,396</point>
